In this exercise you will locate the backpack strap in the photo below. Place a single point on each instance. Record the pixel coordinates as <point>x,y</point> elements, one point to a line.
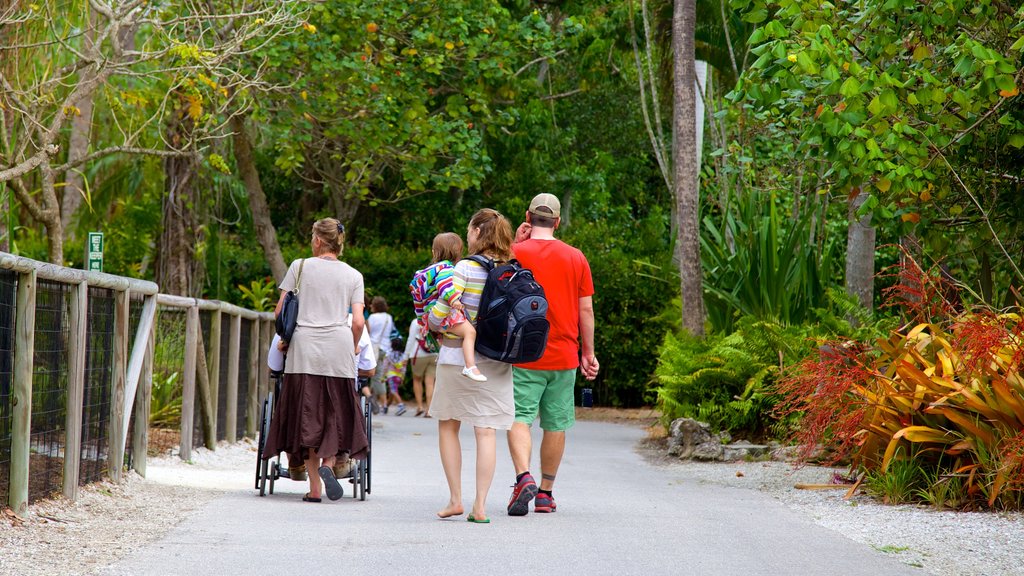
<point>482,260</point>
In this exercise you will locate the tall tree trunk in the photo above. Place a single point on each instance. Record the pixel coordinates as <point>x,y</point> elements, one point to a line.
<point>78,146</point>
<point>5,212</point>
<point>685,168</point>
<point>986,278</point>
<point>860,253</point>
<point>51,214</point>
<point>176,250</point>
<point>266,235</point>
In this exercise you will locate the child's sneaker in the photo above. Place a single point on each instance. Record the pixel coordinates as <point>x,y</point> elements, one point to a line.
<point>473,373</point>
<point>544,503</point>
<point>401,410</point>
<point>523,491</point>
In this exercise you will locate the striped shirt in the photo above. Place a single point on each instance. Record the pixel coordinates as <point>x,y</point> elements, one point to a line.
<point>433,284</point>
<point>469,280</point>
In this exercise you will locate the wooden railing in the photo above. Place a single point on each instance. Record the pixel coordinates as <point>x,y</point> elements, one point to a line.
<point>131,372</point>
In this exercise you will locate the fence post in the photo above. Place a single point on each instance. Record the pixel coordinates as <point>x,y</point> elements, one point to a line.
<point>252,408</point>
<point>143,398</point>
<point>115,443</point>
<point>231,410</point>
<point>77,344</point>
<point>213,366</point>
<point>21,425</point>
<point>188,382</point>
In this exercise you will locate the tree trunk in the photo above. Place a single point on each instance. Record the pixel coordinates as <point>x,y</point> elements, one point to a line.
<point>265,233</point>
<point>5,214</point>
<point>51,215</point>
<point>986,278</point>
<point>176,249</point>
<point>78,147</point>
<point>685,168</point>
<point>860,254</point>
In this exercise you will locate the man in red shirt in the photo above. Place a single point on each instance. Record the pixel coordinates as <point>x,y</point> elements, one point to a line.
<point>546,388</point>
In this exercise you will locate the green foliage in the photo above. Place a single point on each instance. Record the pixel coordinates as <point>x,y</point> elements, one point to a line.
<point>634,284</point>
<point>942,490</point>
<point>900,483</point>
<point>758,263</point>
<point>888,99</point>
<point>724,379</point>
<point>389,99</point>
<point>260,295</point>
<point>165,406</point>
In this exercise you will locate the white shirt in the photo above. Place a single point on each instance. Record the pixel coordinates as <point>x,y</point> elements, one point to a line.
<point>380,326</point>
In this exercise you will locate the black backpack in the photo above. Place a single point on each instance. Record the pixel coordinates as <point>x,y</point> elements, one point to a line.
<point>511,324</point>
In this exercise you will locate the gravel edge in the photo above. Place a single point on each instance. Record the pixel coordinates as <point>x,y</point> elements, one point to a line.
<point>940,542</point>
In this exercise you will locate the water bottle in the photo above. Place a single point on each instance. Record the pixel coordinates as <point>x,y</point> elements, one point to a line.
<point>588,398</point>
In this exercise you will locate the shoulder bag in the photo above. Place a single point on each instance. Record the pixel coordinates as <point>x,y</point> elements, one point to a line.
<point>289,315</point>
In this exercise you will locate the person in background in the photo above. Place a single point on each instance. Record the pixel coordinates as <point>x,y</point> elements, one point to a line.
<point>317,415</point>
<point>394,374</point>
<point>366,365</point>
<point>380,325</point>
<point>422,358</point>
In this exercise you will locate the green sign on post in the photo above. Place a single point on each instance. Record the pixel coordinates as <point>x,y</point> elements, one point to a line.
<point>94,252</point>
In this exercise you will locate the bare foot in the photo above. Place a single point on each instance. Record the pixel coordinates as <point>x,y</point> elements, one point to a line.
<point>450,510</point>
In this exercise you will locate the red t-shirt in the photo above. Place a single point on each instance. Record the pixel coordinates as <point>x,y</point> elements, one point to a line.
<point>564,273</point>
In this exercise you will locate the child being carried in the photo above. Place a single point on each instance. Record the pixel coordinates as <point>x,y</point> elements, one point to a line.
<point>437,283</point>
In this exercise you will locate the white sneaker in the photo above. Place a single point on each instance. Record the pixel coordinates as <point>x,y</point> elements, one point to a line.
<point>473,373</point>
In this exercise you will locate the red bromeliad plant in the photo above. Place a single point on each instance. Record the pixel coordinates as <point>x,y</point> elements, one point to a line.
<point>946,390</point>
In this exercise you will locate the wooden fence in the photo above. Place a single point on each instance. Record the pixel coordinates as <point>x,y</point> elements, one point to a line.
<point>131,372</point>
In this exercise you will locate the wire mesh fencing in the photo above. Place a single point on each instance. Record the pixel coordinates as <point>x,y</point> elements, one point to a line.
<point>8,292</point>
<point>168,362</point>
<point>99,360</point>
<point>206,321</point>
<point>243,378</point>
<point>49,390</point>
<point>222,387</point>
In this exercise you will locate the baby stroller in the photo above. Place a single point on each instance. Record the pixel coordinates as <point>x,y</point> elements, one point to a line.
<point>269,470</point>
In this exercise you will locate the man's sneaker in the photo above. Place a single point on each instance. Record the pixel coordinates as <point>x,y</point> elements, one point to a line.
<point>544,503</point>
<point>523,491</point>
<point>374,407</point>
<point>384,409</point>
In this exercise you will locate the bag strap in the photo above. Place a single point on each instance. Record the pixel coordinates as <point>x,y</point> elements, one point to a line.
<point>482,260</point>
<point>298,278</point>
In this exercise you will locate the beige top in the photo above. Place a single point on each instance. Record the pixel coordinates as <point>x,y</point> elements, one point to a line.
<point>322,344</point>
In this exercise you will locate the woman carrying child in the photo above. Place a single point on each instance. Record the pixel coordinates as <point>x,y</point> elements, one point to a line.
<point>485,405</point>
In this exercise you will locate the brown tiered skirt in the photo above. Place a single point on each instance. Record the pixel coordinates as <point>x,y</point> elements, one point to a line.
<point>318,413</point>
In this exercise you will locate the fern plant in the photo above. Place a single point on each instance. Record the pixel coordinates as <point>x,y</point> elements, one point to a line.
<point>723,380</point>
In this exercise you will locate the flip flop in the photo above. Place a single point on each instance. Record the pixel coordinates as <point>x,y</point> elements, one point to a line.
<point>307,498</point>
<point>331,484</point>
<point>476,520</point>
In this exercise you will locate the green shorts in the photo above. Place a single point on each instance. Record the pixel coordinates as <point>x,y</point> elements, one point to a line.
<point>547,393</point>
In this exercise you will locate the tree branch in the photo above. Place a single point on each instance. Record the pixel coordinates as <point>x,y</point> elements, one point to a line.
<point>562,95</point>
<point>122,150</point>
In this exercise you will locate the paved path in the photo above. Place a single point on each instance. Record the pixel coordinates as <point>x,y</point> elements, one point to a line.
<point>617,515</point>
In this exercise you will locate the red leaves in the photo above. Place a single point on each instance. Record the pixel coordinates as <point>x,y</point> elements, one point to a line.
<point>823,390</point>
